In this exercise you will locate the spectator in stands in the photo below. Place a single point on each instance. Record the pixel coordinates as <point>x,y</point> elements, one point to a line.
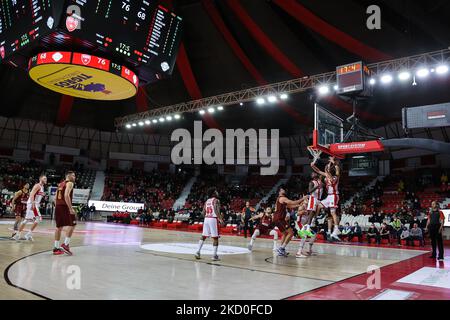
<point>405,234</point>
<point>247,214</point>
<point>401,186</point>
<point>444,182</point>
<point>415,234</point>
<point>373,233</point>
<point>385,232</point>
<point>346,232</point>
<point>396,228</point>
<point>356,232</point>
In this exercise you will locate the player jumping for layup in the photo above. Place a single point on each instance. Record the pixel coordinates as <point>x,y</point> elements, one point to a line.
<point>264,227</point>
<point>315,191</point>
<point>32,214</point>
<point>64,214</point>
<point>211,212</point>
<point>332,199</point>
<point>19,204</point>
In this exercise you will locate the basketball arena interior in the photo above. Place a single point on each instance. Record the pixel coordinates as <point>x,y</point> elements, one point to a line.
<point>224,150</point>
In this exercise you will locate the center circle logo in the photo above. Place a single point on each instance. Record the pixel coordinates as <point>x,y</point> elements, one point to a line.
<point>191,248</point>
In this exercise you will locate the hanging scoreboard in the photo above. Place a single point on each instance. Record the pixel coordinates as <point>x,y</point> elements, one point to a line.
<point>353,79</point>
<point>140,34</point>
<point>141,31</point>
<point>23,22</point>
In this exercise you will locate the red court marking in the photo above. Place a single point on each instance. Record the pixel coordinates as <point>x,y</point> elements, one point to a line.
<point>356,288</point>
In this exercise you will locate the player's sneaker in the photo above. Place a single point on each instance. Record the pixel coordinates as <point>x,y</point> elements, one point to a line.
<point>66,249</point>
<point>250,247</point>
<point>197,256</point>
<point>215,258</point>
<point>57,252</point>
<point>29,237</point>
<point>282,252</point>
<point>441,259</point>
<point>334,237</point>
<point>300,255</point>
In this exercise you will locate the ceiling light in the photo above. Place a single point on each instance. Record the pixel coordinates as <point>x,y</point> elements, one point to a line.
<point>162,120</point>
<point>442,69</point>
<point>177,116</point>
<point>155,121</point>
<point>128,126</point>
<point>323,90</point>
<point>386,79</point>
<point>260,101</point>
<point>284,96</point>
<point>211,110</point>
<point>147,122</point>
<point>202,112</point>
<point>220,108</point>
<point>141,124</point>
<point>405,75</point>
<point>169,118</point>
<point>134,124</point>
<point>423,73</point>
<point>372,82</point>
<point>272,99</point>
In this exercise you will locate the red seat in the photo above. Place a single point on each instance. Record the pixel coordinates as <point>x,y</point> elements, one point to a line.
<point>403,242</point>
<point>384,241</point>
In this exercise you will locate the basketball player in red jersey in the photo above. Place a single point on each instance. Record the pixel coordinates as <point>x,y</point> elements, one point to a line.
<point>264,227</point>
<point>32,212</point>
<point>211,212</point>
<point>331,174</point>
<point>281,218</point>
<point>19,204</point>
<point>64,214</point>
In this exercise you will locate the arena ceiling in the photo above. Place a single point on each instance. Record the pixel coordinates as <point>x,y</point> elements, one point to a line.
<point>229,45</point>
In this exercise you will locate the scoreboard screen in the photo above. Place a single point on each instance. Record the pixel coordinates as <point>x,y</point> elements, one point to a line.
<point>22,22</point>
<point>140,31</point>
<point>352,79</point>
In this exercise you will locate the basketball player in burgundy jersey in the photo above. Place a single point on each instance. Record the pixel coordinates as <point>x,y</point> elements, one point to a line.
<point>32,212</point>
<point>264,227</point>
<point>281,218</point>
<point>19,204</point>
<point>332,175</point>
<point>65,216</point>
<point>213,217</point>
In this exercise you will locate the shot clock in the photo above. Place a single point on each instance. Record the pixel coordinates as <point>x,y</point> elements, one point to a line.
<point>353,80</point>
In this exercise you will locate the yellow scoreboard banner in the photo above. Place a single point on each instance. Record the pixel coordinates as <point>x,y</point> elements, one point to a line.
<point>83,76</point>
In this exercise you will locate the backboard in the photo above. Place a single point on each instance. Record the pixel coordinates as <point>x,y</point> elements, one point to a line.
<point>329,127</point>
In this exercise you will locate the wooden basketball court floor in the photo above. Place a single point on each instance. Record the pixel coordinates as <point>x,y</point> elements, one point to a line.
<point>114,261</point>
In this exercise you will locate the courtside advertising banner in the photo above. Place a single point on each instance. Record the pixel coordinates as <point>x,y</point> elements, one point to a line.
<point>447,218</point>
<point>116,206</point>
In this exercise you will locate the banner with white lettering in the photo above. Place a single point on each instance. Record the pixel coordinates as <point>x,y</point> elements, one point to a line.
<point>116,206</point>
<point>81,196</point>
<point>447,218</point>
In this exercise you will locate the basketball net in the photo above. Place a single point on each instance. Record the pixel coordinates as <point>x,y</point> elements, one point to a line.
<point>316,153</point>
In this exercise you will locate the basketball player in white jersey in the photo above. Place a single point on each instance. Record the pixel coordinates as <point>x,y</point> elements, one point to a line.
<point>303,234</point>
<point>315,191</point>
<point>331,174</point>
<point>32,212</point>
<point>213,217</point>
